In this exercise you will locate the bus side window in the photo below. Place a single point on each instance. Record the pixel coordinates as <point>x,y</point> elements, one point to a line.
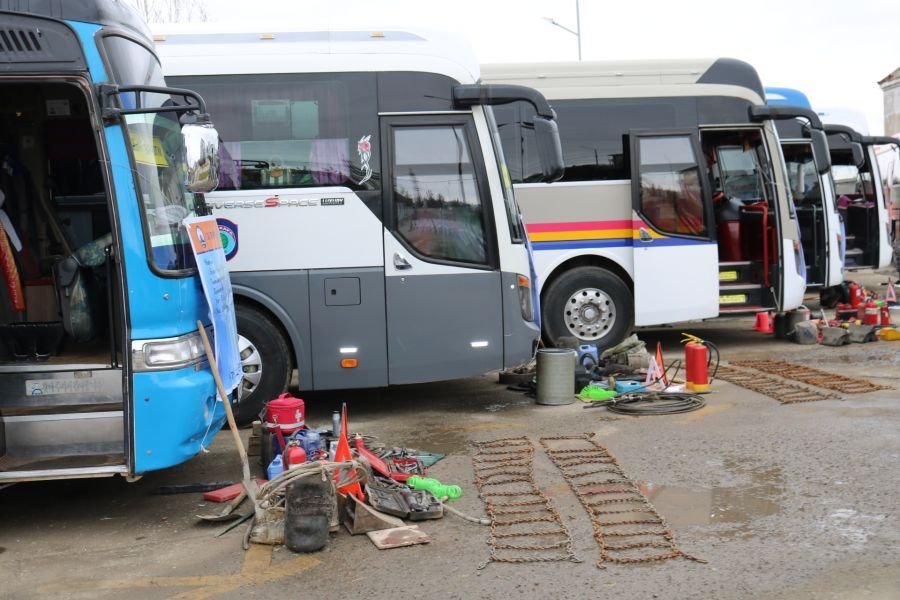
<point>671,197</point>
<point>437,205</point>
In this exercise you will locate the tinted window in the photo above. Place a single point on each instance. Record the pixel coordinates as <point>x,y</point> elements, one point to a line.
<point>671,197</point>
<point>290,130</point>
<point>413,92</point>
<point>131,63</point>
<point>593,133</point>
<point>802,173</point>
<point>437,206</point>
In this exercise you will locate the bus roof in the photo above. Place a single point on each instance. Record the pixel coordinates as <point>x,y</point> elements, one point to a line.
<point>645,78</point>
<point>789,96</point>
<point>208,49</point>
<point>102,12</point>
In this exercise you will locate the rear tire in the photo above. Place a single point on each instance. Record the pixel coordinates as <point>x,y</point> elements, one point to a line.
<point>265,360</point>
<point>589,303</point>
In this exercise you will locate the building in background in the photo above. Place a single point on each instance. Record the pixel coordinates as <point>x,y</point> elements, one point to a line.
<point>890,85</point>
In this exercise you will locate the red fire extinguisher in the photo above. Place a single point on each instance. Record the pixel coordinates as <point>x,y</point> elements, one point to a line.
<point>696,363</point>
<point>856,294</point>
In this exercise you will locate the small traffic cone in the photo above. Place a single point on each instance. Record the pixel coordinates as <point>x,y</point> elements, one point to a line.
<point>661,364</point>
<point>763,323</point>
<point>342,453</point>
<point>654,374</point>
<point>890,296</point>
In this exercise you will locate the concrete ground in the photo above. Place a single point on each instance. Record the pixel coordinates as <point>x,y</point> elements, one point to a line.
<point>783,501</point>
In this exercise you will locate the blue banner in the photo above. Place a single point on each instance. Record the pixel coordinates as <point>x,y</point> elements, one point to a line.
<point>211,265</point>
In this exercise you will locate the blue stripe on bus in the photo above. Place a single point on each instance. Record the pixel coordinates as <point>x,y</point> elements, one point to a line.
<point>617,243</point>
<point>86,32</point>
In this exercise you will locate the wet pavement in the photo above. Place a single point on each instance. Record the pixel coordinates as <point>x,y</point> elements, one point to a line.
<point>783,501</point>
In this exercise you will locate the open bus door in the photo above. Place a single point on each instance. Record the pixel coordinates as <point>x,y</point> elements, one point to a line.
<point>676,262</point>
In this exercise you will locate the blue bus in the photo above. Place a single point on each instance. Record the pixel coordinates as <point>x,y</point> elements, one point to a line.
<point>102,369</point>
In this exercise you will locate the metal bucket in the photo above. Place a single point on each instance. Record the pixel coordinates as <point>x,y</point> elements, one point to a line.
<point>556,376</point>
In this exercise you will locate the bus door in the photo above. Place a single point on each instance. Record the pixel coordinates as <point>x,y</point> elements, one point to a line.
<point>676,263</point>
<point>442,281</point>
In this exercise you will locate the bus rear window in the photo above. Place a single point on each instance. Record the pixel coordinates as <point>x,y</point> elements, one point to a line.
<point>293,130</point>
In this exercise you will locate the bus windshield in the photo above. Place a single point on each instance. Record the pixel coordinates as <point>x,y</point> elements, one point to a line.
<point>157,149</point>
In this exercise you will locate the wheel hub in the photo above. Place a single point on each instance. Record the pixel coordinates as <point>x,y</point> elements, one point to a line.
<point>251,365</point>
<point>589,314</point>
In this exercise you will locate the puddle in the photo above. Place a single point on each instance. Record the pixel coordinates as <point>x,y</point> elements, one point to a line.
<point>435,439</point>
<point>704,506</point>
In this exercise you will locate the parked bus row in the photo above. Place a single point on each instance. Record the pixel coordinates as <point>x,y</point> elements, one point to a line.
<point>369,194</point>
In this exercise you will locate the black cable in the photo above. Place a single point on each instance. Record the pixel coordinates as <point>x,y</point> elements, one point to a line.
<point>655,403</point>
<point>709,344</point>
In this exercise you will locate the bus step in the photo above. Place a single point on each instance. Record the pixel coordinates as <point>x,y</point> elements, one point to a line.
<point>62,441</point>
<point>738,272</point>
<point>853,252</point>
<point>740,295</point>
<point>60,391</point>
<point>736,310</point>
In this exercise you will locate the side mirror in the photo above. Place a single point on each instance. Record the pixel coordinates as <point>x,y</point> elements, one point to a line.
<point>859,156</point>
<point>201,150</point>
<point>821,154</point>
<point>546,134</point>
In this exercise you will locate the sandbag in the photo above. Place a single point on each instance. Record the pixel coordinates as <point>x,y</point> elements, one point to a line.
<point>805,332</point>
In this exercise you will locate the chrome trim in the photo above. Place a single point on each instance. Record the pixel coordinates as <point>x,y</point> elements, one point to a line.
<point>80,473</point>
<point>63,417</point>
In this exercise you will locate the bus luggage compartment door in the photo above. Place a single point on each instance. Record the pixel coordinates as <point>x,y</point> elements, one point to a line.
<point>675,255</point>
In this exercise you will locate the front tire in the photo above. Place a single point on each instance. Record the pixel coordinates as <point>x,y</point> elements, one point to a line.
<point>590,304</point>
<point>265,360</point>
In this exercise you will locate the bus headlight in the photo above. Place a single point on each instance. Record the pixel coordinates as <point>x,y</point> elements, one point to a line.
<point>525,302</point>
<point>167,353</point>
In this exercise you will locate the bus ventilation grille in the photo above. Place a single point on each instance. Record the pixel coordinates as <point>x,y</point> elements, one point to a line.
<point>16,41</point>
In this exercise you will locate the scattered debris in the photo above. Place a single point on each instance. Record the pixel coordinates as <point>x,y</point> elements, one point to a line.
<point>784,392</point>
<point>518,510</point>
<point>812,376</point>
<point>622,512</point>
<point>398,537</point>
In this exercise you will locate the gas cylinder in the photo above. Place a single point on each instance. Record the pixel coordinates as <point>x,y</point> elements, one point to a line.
<point>696,361</point>
<point>856,294</point>
<point>872,314</point>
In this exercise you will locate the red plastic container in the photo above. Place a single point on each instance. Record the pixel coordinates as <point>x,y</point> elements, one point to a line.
<point>295,455</point>
<point>871,314</point>
<point>285,414</point>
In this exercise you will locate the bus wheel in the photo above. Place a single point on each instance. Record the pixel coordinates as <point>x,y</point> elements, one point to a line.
<point>265,360</point>
<point>588,303</point>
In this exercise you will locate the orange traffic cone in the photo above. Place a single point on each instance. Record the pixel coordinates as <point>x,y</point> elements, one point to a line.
<point>342,453</point>
<point>661,364</point>
<point>763,323</point>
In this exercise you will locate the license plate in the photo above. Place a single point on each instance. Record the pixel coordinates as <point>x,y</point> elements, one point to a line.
<point>728,275</point>
<point>733,299</point>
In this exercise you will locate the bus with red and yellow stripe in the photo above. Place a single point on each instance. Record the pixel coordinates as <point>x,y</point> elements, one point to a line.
<point>675,203</point>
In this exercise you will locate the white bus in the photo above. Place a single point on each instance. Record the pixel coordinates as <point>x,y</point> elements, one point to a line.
<point>372,235</point>
<point>814,196</point>
<point>861,198</point>
<point>674,205</point>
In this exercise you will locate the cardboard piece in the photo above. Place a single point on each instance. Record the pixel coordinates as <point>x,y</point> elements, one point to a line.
<point>398,537</point>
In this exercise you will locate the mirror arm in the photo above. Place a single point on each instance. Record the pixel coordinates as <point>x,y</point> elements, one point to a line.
<point>783,113</point>
<point>110,111</point>
<point>466,96</point>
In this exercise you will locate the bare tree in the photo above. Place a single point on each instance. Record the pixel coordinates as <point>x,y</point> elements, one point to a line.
<point>172,11</point>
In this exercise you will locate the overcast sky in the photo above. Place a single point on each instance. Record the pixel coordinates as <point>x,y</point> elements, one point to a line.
<point>834,51</point>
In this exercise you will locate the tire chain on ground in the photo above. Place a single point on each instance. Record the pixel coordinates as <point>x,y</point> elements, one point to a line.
<point>773,387</point>
<point>812,376</point>
<point>504,475</point>
<point>631,501</point>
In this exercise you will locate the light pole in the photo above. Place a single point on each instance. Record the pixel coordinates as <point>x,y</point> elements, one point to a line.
<point>577,31</point>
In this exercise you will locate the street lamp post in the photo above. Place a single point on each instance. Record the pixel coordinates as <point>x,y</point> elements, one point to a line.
<point>577,31</point>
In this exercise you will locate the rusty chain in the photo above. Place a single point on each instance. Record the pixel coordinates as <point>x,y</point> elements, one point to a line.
<point>504,475</point>
<point>589,452</point>
<point>784,392</point>
<point>812,376</point>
